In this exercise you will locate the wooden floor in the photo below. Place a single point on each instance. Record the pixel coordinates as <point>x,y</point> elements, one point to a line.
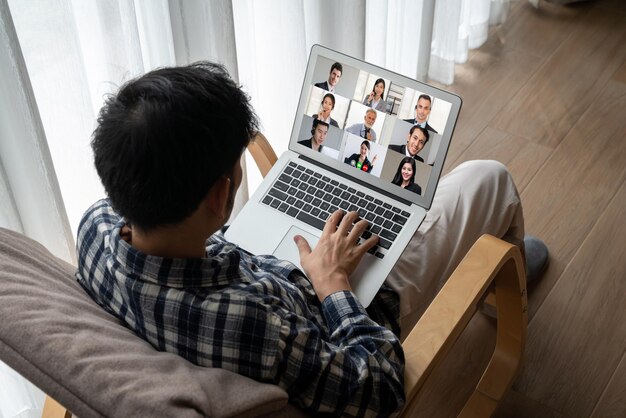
<point>546,95</point>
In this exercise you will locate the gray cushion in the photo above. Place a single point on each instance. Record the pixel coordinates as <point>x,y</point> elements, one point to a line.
<point>58,338</point>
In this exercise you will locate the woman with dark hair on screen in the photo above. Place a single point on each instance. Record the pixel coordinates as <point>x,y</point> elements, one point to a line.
<point>360,160</point>
<point>375,98</point>
<point>405,176</point>
<point>328,104</point>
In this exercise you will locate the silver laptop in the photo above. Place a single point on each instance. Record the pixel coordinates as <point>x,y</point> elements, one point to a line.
<point>363,164</point>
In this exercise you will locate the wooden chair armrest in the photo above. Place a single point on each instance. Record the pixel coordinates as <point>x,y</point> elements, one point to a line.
<point>53,409</point>
<point>263,153</point>
<point>489,260</point>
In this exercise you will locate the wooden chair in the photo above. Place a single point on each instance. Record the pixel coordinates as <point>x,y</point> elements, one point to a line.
<point>492,268</point>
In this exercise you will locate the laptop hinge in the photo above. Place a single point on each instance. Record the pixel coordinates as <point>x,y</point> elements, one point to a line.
<point>359,181</point>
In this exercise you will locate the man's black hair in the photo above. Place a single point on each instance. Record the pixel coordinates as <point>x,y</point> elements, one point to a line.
<point>319,122</point>
<point>165,138</point>
<point>336,66</point>
<point>425,97</point>
<point>424,131</point>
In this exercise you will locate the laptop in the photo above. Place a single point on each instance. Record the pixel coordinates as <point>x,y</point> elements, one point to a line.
<point>361,159</point>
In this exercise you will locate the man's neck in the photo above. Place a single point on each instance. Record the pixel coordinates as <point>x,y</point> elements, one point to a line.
<point>314,145</point>
<point>183,240</point>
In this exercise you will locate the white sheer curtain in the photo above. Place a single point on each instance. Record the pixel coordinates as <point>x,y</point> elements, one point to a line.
<point>58,59</point>
<point>459,26</point>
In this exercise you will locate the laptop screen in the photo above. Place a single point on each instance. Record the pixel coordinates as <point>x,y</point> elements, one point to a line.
<point>378,127</point>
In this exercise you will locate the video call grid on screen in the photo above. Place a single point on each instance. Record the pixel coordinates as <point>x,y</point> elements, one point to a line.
<point>389,131</point>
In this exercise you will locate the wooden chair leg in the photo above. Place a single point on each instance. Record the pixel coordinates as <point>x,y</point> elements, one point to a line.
<point>511,307</point>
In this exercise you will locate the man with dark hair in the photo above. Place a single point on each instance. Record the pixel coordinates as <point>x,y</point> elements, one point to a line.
<point>422,111</point>
<point>333,78</point>
<point>167,149</point>
<point>417,139</point>
<point>318,136</point>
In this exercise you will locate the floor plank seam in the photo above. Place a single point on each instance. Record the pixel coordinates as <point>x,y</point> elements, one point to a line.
<point>582,244</point>
<point>608,383</point>
<point>535,74</point>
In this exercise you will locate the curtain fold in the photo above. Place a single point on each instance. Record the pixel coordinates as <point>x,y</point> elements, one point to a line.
<point>32,201</point>
<point>457,27</point>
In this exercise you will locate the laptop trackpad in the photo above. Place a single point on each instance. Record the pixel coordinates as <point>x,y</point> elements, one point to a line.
<point>288,250</point>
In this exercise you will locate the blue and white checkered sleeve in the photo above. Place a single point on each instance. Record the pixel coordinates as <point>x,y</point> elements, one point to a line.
<point>355,371</point>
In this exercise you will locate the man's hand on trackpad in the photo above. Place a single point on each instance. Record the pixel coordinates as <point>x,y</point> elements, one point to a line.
<point>337,253</point>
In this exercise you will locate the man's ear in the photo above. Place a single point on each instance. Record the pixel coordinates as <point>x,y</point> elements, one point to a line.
<point>216,200</point>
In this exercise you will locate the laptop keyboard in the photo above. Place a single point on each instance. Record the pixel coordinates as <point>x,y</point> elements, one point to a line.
<point>310,197</point>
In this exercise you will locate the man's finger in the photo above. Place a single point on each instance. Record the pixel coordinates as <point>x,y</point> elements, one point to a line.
<point>332,221</point>
<point>346,223</point>
<point>303,246</point>
<point>358,229</point>
<point>368,244</point>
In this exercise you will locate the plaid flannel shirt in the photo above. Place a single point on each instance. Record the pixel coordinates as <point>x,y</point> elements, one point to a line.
<point>253,315</point>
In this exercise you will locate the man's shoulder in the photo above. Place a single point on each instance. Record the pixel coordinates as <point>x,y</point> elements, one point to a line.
<point>98,220</point>
<point>322,85</point>
<point>99,214</point>
<point>396,147</point>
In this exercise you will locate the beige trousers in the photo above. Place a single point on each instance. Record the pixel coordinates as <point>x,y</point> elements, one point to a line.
<point>477,197</point>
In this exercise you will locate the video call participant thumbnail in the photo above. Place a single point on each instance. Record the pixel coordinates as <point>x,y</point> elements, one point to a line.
<point>318,136</point>
<point>360,160</point>
<point>333,78</point>
<point>364,130</point>
<point>422,112</point>
<point>405,175</point>
<point>417,139</point>
<point>375,98</point>
<point>327,105</point>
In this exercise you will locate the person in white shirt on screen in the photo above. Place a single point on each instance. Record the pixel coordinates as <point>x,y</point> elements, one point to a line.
<point>417,139</point>
<point>422,112</point>
<point>333,78</point>
<point>364,130</point>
